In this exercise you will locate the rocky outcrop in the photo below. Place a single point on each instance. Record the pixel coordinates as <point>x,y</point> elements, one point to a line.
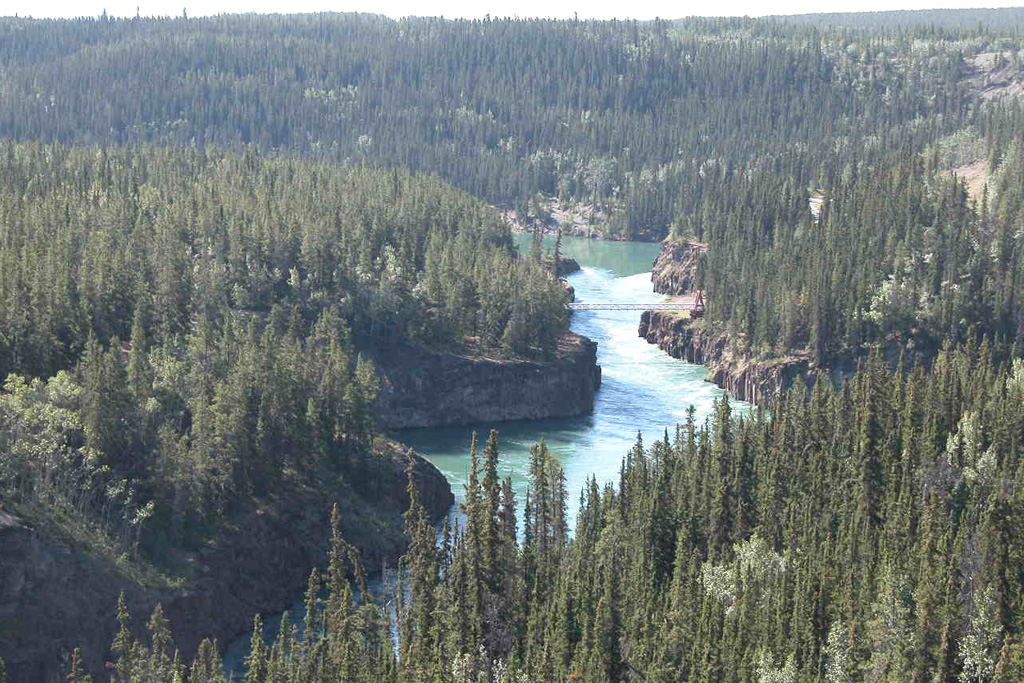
<point>423,389</point>
<point>570,292</point>
<point>567,265</point>
<point>675,269</point>
<point>551,216</point>
<point>756,381</point>
<point>675,272</point>
<point>56,595</point>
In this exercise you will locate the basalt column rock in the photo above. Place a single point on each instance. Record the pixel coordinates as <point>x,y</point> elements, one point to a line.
<point>675,269</point>
<point>756,381</point>
<point>423,389</point>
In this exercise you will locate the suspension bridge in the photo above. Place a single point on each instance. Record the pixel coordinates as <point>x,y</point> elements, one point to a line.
<point>694,303</point>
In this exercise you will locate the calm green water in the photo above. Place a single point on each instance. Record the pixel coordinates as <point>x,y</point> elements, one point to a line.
<point>642,388</point>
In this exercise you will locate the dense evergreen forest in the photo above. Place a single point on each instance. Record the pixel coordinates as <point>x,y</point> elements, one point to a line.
<point>717,130</point>
<point>1005,18</point>
<point>902,253</point>
<point>206,225</point>
<point>631,117</point>
<point>180,331</point>
<point>861,534</point>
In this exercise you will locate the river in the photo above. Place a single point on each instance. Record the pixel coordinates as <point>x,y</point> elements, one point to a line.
<point>642,389</point>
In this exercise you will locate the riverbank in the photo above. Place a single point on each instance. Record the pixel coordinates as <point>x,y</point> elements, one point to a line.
<point>757,381</point>
<point>574,219</point>
<point>675,272</point>
<point>420,388</point>
<point>52,583</point>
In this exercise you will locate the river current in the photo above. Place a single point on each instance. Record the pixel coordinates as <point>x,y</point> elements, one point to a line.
<point>642,390</point>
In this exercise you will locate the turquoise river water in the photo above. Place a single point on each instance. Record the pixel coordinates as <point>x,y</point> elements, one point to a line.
<point>642,389</point>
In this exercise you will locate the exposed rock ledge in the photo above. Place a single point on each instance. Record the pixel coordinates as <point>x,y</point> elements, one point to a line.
<point>55,595</point>
<point>422,389</point>
<point>567,265</point>
<point>675,268</point>
<point>748,380</point>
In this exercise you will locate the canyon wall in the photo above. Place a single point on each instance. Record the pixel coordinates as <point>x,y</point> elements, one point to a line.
<point>421,389</point>
<point>57,592</point>
<point>756,381</point>
<point>675,268</point>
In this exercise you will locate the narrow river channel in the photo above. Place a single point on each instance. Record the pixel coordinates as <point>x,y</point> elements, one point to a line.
<point>642,389</point>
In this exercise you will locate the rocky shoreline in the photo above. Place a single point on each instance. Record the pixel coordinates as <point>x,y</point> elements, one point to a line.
<point>755,381</point>
<point>423,389</point>
<point>676,272</point>
<point>566,265</point>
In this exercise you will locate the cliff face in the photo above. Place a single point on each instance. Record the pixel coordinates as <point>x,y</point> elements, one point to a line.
<point>55,595</point>
<point>675,273</point>
<point>421,389</point>
<point>675,268</point>
<point>748,380</point>
<point>567,265</point>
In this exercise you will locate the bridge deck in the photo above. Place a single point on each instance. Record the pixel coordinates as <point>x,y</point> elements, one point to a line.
<point>671,306</point>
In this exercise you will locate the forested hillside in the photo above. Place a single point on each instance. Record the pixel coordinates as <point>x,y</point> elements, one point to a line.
<point>861,534</point>
<point>1002,19</point>
<point>630,117</point>
<point>903,253</point>
<point>717,130</point>
<point>182,328</point>
<point>180,336</point>
<point>209,226</point>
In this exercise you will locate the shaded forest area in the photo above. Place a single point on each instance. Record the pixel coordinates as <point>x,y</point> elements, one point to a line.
<point>180,336</point>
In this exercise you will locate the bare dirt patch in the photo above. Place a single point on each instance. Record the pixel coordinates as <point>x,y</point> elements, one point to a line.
<point>581,220</point>
<point>974,175</point>
<point>992,75</point>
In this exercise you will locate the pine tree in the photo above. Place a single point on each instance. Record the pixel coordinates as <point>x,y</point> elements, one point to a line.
<point>1010,667</point>
<point>207,666</point>
<point>491,487</point>
<point>76,672</point>
<point>418,659</point>
<point>139,370</point>
<point>257,663</point>
<point>723,503</point>
<point>929,591</point>
<point>160,643</point>
<point>124,646</point>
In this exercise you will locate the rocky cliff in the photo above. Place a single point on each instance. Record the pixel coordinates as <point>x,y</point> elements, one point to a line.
<point>675,268</point>
<point>56,595</point>
<point>567,265</point>
<point>756,381</point>
<point>423,389</point>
